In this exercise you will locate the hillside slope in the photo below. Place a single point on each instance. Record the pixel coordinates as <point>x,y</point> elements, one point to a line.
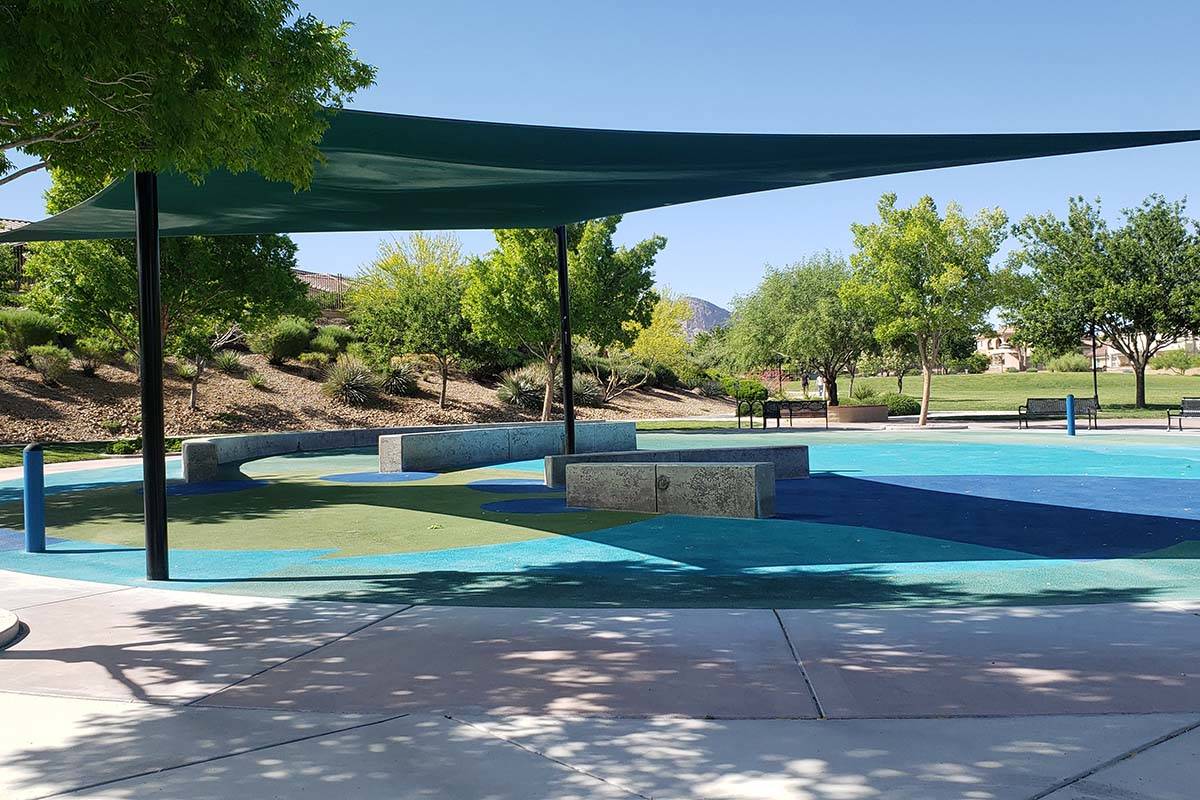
<point>105,406</point>
<point>705,317</point>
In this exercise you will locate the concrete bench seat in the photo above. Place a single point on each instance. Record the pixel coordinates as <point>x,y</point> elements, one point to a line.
<point>442,450</point>
<point>789,460</point>
<point>698,489</point>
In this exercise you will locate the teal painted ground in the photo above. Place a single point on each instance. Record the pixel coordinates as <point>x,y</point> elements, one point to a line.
<point>889,519</point>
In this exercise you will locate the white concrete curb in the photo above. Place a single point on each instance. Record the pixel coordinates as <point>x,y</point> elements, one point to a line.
<point>10,627</point>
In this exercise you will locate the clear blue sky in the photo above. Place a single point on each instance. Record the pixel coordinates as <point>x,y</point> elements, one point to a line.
<point>799,67</point>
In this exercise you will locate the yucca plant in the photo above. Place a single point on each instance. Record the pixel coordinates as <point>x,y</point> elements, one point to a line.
<point>401,377</point>
<point>522,387</point>
<point>351,381</point>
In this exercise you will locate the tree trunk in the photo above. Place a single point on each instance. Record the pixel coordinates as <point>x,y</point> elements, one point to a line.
<point>445,377</point>
<point>1139,378</point>
<point>926,384</point>
<point>192,396</point>
<point>831,392</point>
<point>548,398</point>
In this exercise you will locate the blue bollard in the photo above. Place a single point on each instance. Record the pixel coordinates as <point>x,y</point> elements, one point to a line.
<point>35,500</point>
<point>1070,415</point>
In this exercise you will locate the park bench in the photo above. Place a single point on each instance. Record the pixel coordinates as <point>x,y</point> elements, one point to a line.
<point>1188,407</point>
<point>1056,408</point>
<point>773,409</point>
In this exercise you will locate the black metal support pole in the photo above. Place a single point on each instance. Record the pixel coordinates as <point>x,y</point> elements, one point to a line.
<point>564,312</point>
<point>154,451</point>
<point>1095,379</point>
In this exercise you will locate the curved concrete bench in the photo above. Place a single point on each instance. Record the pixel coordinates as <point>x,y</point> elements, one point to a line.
<point>722,489</point>
<point>204,457</point>
<point>10,627</point>
<point>790,460</point>
<point>441,450</point>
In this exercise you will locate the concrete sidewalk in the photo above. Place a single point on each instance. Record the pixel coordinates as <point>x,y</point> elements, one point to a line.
<point>120,692</point>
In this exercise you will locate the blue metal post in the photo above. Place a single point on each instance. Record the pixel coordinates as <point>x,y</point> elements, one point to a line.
<point>35,500</point>
<point>1070,415</point>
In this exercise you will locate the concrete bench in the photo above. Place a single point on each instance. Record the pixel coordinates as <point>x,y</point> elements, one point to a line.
<point>790,460</point>
<point>439,451</point>
<point>704,489</point>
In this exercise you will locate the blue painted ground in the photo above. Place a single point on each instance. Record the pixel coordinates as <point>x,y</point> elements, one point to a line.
<point>887,519</point>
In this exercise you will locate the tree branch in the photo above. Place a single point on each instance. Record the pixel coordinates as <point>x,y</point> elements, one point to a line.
<point>12,176</point>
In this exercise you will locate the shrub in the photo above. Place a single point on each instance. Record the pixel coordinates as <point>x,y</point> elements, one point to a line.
<point>690,376</point>
<point>286,337</point>
<point>900,405</point>
<point>257,380</point>
<point>332,339</point>
<point>523,387</point>
<point>185,370</point>
<point>24,328</point>
<point>712,388</point>
<point>126,447</point>
<point>51,361</point>
<point>400,377</point>
<point>314,362</point>
<point>1178,361</point>
<point>113,426</point>
<point>91,353</point>
<point>744,389</point>
<point>587,390</point>
<point>1069,362</point>
<point>974,364</point>
<point>228,362</point>
<point>351,381</point>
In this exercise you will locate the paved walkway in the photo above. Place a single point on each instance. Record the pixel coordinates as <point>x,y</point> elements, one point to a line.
<point>130,692</point>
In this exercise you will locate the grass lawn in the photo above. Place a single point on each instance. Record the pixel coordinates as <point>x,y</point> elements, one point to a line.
<point>11,454</point>
<point>1006,391</point>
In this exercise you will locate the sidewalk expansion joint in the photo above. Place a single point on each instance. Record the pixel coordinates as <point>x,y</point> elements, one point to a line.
<point>800,665</point>
<point>1128,754</point>
<point>307,652</point>
<point>539,754</point>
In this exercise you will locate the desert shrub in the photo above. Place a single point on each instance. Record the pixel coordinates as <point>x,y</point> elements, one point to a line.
<point>332,339</point>
<point>900,405</point>
<point>523,387</point>
<point>113,426</point>
<point>51,361</point>
<point>286,337</point>
<point>1069,362</point>
<point>863,392</point>
<point>744,388</point>
<point>349,380</point>
<point>711,388</point>
<point>228,362</point>
<point>23,328</point>
<point>587,390</point>
<point>185,370</point>
<point>401,376</point>
<point>257,380</point>
<point>314,362</point>
<point>91,353</point>
<point>690,375</point>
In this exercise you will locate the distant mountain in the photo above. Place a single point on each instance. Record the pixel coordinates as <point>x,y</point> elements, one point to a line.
<point>705,317</point>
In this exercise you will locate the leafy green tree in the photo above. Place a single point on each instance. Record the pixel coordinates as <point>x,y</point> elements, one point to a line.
<point>796,311</point>
<point>926,276</point>
<point>663,342</point>
<point>828,334</point>
<point>190,85</point>
<point>212,287</point>
<point>897,358</point>
<point>511,296</point>
<point>411,300</point>
<point>1138,284</point>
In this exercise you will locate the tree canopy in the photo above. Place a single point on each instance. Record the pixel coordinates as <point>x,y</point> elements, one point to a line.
<point>410,300</point>
<point>1139,283</point>
<point>192,85</point>
<point>927,276</point>
<point>511,296</point>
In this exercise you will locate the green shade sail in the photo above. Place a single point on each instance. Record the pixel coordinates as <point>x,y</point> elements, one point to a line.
<point>394,172</point>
